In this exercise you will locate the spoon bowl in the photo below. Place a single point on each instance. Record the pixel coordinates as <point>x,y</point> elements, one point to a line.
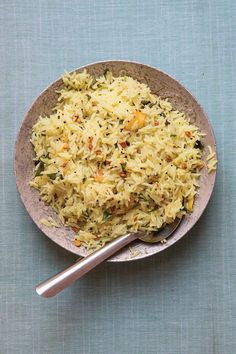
<point>160,235</point>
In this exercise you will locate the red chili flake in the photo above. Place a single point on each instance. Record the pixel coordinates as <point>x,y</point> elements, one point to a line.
<point>107,162</point>
<point>188,134</point>
<point>168,158</point>
<point>123,174</point>
<point>75,117</point>
<point>131,201</point>
<point>90,142</point>
<point>123,144</point>
<point>156,123</point>
<point>75,229</point>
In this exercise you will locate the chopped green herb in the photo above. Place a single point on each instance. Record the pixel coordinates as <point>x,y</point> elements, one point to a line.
<point>106,71</point>
<point>107,215</point>
<point>167,122</point>
<point>36,162</point>
<point>145,102</point>
<point>85,214</point>
<point>198,145</point>
<point>54,176</point>
<point>184,201</point>
<point>141,197</point>
<point>40,169</point>
<point>123,165</point>
<point>151,105</point>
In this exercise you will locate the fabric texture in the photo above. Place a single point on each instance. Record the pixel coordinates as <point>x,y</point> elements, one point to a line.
<point>182,301</point>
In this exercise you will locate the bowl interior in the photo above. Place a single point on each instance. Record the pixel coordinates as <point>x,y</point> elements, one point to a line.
<point>162,85</point>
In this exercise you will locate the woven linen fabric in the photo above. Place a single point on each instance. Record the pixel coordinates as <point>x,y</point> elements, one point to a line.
<point>182,301</point>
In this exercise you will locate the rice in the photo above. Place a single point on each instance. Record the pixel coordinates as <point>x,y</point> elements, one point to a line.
<point>211,160</point>
<point>50,222</point>
<point>113,158</point>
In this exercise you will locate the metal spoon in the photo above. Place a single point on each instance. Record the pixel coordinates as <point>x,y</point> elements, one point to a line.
<point>60,281</point>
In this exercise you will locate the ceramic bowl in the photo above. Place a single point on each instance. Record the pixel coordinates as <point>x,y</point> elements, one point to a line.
<point>162,85</point>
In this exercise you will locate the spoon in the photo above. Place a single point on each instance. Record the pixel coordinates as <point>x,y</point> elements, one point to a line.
<point>60,281</point>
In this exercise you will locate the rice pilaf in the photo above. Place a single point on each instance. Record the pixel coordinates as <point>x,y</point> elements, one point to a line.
<point>113,157</point>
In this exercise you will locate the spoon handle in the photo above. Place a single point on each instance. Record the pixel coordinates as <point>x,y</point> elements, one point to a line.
<point>60,281</point>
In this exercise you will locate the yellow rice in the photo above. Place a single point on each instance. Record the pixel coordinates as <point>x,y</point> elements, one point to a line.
<point>113,157</point>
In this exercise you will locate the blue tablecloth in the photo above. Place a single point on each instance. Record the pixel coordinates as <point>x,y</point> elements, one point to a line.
<point>182,301</point>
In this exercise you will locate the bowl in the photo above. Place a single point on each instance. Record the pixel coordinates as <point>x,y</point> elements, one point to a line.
<point>162,85</point>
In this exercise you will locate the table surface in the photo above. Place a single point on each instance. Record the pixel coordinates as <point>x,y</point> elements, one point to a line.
<point>182,301</point>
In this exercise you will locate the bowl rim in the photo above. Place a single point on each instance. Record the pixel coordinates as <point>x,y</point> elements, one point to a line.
<point>172,240</point>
